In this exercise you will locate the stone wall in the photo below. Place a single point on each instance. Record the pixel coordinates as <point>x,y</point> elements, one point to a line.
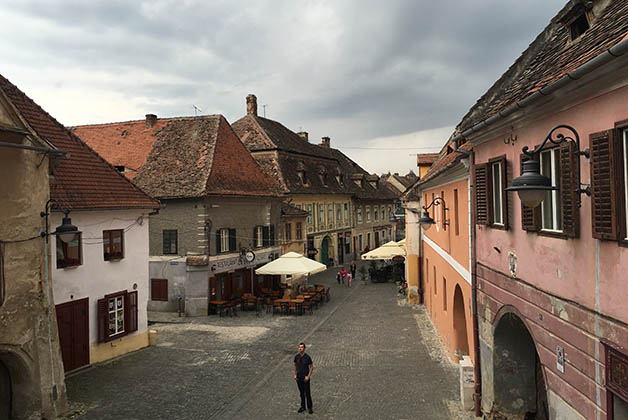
<point>29,345</point>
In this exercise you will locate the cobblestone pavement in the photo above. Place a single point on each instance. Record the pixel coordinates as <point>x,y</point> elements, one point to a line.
<point>373,358</point>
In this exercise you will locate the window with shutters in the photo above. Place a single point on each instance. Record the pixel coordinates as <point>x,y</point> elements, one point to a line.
<point>113,245</point>
<point>257,237</point>
<point>609,183</point>
<point>169,241</point>
<point>117,315</point>
<point>159,289</point>
<point>551,206</point>
<point>224,240</point>
<point>490,197</point>
<point>288,232</point>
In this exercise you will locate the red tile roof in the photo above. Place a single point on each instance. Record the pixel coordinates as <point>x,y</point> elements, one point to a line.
<point>122,144</point>
<point>82,180</point>
<point>426,158</point>
<point>551,56</point>
<point>182,157</point>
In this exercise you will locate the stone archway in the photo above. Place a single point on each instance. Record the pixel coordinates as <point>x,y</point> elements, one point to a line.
<point>461,341</point>
<point>518,382</point>
<point>16,374</point>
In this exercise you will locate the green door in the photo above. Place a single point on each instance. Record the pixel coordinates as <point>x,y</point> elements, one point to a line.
<point>325,251</point>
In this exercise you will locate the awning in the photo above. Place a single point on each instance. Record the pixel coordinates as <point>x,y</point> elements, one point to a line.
<point>386,252</point>
<point>291,263</point>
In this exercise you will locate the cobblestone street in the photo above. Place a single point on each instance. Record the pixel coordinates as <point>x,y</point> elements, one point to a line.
<point>373,358</point>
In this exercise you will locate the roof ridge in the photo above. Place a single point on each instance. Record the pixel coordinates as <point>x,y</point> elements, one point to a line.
<point>143,121</point>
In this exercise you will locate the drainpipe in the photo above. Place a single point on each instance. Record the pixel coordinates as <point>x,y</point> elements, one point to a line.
<point>477,395</point>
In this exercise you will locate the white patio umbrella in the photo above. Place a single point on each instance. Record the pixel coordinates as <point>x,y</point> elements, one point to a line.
<point>386,252</point>
<point>291,263</point>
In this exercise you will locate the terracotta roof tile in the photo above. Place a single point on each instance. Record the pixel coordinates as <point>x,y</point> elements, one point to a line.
<point>426,158</point>
<point>183,157</point>
<point>82,180</point>
<point>551,56</point>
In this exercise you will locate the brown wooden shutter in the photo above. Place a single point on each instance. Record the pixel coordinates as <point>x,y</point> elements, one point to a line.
<point>255,244</point>
<point>218,250</point>
<point>232,240</point>
<point>131,311</point>
<point>103,324</point>
<point>530,217</point>
<point>481,195</point>
<point>603,191</point>
<point>568,189</point>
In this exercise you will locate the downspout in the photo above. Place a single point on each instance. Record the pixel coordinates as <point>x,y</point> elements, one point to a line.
<point>477,395</point>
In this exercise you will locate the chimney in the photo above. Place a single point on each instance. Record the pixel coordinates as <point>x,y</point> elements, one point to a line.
<point>251,105</point>
<point>325,142</point>
<point>151,119</point>
<point>303,135</point>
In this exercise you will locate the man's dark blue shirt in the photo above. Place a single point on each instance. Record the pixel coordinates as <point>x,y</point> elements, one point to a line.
<point>303,365</point>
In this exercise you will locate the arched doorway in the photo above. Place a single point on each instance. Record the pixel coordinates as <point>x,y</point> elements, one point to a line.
<point>325,250</point>
<point>5,392</point>
<point>461,341</point>
<point>519,386</point>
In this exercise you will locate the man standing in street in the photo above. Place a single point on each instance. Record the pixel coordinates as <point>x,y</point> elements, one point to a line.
<point>352,268</point>
<point>303,368</point>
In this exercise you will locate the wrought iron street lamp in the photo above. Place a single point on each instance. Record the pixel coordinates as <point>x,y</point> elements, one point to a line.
<point>531,185</point>
<point>426,221</point>
<point>67,231</point>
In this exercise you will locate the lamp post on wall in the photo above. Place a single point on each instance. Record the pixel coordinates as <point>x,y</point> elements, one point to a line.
<point>531,186</point>
<point>67,231</point>
<point>426,221</point>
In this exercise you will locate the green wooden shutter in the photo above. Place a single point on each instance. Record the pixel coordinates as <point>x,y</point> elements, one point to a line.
<point>232,240</point>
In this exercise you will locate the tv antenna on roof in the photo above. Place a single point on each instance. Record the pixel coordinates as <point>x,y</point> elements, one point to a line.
<point>196,110</point>
<point>264,109</point>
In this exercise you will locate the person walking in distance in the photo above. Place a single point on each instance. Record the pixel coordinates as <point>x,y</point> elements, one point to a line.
<point>303,368</point>
<point>352,268</point>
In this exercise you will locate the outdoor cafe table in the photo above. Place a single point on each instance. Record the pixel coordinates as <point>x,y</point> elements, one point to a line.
<point>285,303</point>
<point>218,305</point>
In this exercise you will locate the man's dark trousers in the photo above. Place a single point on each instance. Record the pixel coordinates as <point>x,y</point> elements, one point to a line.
<point>304,390</point>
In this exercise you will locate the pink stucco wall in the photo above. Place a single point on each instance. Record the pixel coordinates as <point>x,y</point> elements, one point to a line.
<point>564,267</point>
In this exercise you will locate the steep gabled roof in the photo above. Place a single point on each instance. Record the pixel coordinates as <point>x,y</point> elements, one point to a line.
<point>288,210</point>
<point>122,144</point>
<point>284,154</point>
<point>182,157</point>
<point>552,56</point>
<point>82,180</point>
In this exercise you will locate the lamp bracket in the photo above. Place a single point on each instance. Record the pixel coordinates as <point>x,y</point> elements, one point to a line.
<point>437,201</point>
<point>560,134</point>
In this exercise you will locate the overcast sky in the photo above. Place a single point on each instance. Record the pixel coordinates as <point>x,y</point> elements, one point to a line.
<point>374,76</point>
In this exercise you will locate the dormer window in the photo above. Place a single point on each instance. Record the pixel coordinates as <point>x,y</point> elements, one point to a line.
<point>579,26</point>
<point>303,177</point>
<point>322,173</point>
<point>339,178</point>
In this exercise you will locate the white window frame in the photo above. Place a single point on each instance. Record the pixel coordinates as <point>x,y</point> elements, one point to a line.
<point>625,139</point>
<point>375,213</point>
<point>338,214</point>
<point>321,217</point>
<point>554,195</point>
<point>287,234</point>
<point>346,208</point>
<point>368,214</point>
<point>224,240</point>
<point>330,214</point>
<point>259,236</point>
<point>496,183</point>
<point>115,312</point>
<point>359,212</point>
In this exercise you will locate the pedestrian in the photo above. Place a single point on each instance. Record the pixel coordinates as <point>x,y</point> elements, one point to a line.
<point>343,274</point>
<point>352,268</point>
<point>303,368</point>
<point>338,277</point>
<point>349,278</point>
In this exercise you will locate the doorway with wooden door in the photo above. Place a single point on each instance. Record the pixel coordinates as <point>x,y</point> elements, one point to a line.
<point>5,392</point>
<point>73,324</point>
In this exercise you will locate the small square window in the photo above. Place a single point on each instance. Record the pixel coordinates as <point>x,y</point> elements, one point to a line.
<point>113,244</point>
<point>69,253</point>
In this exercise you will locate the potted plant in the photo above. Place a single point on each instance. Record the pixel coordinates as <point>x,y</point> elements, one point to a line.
<point>362,273</point>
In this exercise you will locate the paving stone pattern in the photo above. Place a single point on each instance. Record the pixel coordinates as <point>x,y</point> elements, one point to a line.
<point>373,359</point>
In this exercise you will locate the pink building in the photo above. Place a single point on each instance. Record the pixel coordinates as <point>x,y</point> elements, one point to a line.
<point>551,279</point>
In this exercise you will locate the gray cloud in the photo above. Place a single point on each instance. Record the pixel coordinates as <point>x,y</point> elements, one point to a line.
<point>351,70</point>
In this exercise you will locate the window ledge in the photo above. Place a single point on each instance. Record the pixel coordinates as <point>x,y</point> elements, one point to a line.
<point>498,226</point>
<point>552,234</point>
